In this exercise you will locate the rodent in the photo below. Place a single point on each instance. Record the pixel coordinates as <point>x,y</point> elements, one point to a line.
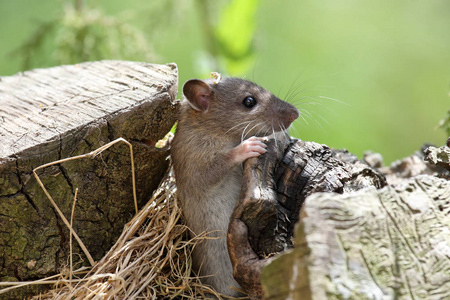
<point>209,146</point>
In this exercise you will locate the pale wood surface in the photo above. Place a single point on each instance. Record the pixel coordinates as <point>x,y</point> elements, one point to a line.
<point>275,185</point>
<point>39,105</point>
<point>55,113</point>
<point>392,243</point>
<point>364,232</point>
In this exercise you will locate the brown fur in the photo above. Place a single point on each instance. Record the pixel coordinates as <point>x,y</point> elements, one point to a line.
<point>207,151</point>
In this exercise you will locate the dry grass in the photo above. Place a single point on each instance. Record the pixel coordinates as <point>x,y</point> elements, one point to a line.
<point>150,260</point>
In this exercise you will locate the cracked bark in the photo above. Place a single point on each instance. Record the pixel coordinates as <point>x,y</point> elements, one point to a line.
<point>360,227</point>
<point>67,111</point>
<point>67,178</point>
<point>22,187</point>
<point>275,185</point>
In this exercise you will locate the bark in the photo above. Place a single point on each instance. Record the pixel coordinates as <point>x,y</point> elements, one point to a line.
<point>55,113</point>
<point>440,157</point>
<point>350,206</point>
<point>429,161</point>
<point>275,185</point>
<point>373,244</point>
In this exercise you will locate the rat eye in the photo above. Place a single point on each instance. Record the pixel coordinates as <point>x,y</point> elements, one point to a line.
<point>249,102</point>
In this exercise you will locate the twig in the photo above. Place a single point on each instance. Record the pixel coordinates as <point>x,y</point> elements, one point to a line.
<point>91,154</point>
<point>47,280</point>
<point>70,236</point>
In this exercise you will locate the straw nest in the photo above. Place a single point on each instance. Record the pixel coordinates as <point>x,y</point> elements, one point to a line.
<point>150,260</point>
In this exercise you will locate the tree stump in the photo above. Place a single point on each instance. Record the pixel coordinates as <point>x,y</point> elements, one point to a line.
<point>55,113</point>
<point>278,183</point>
<point>391,243</point>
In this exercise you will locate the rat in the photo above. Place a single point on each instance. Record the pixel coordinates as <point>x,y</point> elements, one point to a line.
<point>222,123</point>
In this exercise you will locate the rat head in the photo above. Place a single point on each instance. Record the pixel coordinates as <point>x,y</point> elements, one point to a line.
<point>237,108</point>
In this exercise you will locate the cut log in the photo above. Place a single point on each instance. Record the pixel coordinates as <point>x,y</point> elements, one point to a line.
<point>55,113</point>
<point>275,186</point>
<point>346,236</point>
<point>391,243</point>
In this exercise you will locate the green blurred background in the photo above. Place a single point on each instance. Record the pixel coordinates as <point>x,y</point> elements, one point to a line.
<point>367,75</point>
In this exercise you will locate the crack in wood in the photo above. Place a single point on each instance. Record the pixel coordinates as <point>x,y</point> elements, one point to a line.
<point>66,127</point>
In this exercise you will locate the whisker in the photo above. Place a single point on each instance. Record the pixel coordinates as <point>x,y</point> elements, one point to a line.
<point>275,138</point>
<point>286,132</point>
<point>334,100</point>
<point>306,112</point>
<point>296,132</point>
<point>318,101</point>
<point>309,113</point>
<point>290,91</point>
<point>297,100</point>
<point>259,130</point>
<point>313,115</point>
<point>296,92</point>
<point>303,112</point>
<point>321,104</point>
<point>310,100</point>
<point>243,132</point>
<point>315,118</point>
<point>280,133</point>
<point>258,124</point>
<point>323,119</point>
<point>234,127</point>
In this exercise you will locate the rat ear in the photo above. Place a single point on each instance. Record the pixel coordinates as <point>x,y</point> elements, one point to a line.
<point>198,93</point>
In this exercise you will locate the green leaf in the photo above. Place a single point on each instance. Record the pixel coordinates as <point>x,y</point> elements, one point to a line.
<point>236,28</point>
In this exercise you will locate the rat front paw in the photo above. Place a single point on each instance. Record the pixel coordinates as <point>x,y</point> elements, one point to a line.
<point>251,147</point>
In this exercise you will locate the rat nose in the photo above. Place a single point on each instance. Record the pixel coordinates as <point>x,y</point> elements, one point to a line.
<point>293,114</point>
<point>289,115</point>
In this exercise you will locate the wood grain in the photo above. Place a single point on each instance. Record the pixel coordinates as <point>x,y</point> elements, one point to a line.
<point>275,185</point>
<point>39,105</point>
<point>60,112</point>
<point>391,243</point>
